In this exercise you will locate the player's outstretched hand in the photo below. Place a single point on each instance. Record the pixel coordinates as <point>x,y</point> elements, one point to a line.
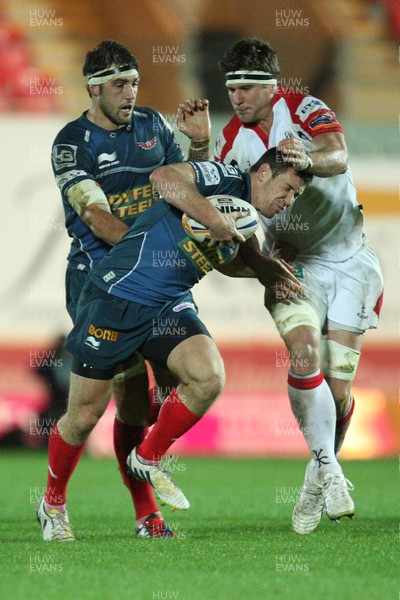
<point>193,119</point>
<point>278,277</point>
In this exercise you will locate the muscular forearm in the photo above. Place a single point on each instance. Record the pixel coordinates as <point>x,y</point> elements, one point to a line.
<point>103,224</point>
<point>176,184</point>
<point>328,161</point>
<point>273,273</point>
<point>252,257</point>
<point>236,268</point>
<point>328,154</point>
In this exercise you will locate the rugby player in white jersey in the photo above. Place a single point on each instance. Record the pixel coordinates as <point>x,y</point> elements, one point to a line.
<point>322,235</point>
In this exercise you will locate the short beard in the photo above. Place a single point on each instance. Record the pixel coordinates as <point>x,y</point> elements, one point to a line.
<point>111,118</point>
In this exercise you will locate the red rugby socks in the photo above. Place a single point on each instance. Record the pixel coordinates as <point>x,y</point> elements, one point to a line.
<point>126,437</point>
<point>173,421</point>
<point>63,459</point>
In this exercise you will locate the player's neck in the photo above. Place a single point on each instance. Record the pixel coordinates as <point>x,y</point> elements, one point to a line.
<point>99,119</point>
<point>265,123</point>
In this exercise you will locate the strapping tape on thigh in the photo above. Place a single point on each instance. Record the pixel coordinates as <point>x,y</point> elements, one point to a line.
<point>139,368</point>
<point>293,314</point>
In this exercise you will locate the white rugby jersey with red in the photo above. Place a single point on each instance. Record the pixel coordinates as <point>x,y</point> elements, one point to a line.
<point>325,223</point>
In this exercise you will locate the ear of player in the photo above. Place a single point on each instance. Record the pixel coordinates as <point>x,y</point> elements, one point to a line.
<point>246,225</point>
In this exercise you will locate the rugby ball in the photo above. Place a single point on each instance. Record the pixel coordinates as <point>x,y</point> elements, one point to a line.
<point>247,224</point>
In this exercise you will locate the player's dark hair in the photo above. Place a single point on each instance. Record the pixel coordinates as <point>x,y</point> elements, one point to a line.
<point>107,53</point>
<point>274,158</point>
<point>250,53</point>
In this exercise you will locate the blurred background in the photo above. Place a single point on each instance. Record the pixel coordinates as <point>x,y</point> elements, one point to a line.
<point>345,52</point>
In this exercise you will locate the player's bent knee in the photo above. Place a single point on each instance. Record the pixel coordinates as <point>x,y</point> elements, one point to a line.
<point>85,425</point>
<point>211,387</point>
<point>212,371</point>
<point>303,345</point>
<point>339,361</point>
<point>80,424</point>
<point>88,399</point>
<point>200,369</point>
<point>196,358</point>
<point>200,395</point>
<point>206,380</point>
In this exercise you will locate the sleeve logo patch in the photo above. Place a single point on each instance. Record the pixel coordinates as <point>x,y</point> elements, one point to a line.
<point>63,156</point>
<point>64,178</point>
<point>322,119</point>
<point>210,173</point>
<point>308,106</point>
<point>183,306</point>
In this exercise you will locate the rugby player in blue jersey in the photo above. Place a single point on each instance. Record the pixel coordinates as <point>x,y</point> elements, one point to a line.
<point>131,304</point>
<point>102,162</point>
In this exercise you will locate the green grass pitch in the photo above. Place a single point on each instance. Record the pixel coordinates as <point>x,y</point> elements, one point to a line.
<point>235,542</point>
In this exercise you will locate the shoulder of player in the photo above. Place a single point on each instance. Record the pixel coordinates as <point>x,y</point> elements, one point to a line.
<point>300,105</point>
<point>292,98</point>
<point>215,172</point>
<point>74,131</point>
<point>145,113</point>
<point>310,113</point>
<point>145,118</point>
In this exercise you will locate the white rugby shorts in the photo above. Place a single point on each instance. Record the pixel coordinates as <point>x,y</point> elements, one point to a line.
<point>335,295</point>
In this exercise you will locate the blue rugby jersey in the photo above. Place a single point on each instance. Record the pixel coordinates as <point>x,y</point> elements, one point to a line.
<point>120,162</point>
<point>156,262</point>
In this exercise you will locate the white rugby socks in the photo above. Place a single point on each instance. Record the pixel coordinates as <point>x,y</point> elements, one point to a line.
<point>314,408</point>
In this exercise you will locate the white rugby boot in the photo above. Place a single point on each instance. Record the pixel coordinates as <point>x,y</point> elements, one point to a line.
<point>165,488</point>
<point>55,524</point>
<point>309,507</point>
<point>338,502</point>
